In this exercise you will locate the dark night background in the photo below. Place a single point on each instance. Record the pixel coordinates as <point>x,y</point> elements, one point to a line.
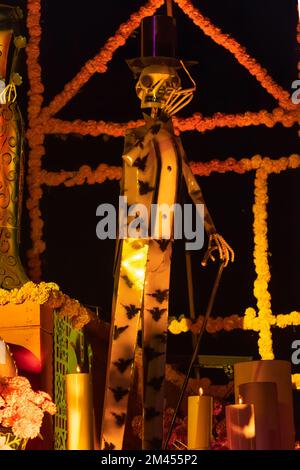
<point>80,263</point>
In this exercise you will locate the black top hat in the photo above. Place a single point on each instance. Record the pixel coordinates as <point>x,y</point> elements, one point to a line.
<point>158,44</point>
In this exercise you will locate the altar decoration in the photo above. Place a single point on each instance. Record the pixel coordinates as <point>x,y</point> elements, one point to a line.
<point>28,307</point>
<point>42,122</point>
<point>278,372</point>
<point>216,394</point>
<point>21,411</point>
<point>30,317</point>
<point>240,436</point>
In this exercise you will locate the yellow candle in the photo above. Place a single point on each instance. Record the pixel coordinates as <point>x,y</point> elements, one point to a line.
<point>79,412</point>
<point>200,409</point>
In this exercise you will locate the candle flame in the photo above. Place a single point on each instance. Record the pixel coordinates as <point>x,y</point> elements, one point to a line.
<point>200,391</point>
<point>78,369</point>
<point>240,400</point>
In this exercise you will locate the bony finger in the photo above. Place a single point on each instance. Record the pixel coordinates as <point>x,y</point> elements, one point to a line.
<point>204,261</point>
<point>205,258</point>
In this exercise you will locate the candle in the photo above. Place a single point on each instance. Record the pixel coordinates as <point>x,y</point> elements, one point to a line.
<point>279,372</point>
<point>263,395</point>
<point>79,411</point>
<point>7,364</point>
<point>200,409</point>
<point>240,426</point>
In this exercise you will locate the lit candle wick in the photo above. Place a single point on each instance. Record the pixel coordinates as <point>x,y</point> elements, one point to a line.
<point>78,369</point>
<point>200,391</point>
<point>240,400</point>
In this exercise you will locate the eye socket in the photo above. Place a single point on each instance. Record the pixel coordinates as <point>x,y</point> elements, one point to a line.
<point>146,81</point>
<point>138,89</point>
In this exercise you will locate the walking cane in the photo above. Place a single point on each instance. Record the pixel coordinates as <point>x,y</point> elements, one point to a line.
<point>195,353</point>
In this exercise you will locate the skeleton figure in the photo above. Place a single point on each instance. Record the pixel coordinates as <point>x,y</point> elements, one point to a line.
<point>154,163</point>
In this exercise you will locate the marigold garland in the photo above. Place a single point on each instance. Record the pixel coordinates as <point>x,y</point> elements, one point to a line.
<point>197,122</point>
<point>291,319</point>
<point>250,321</point>
<point>99,62</point>
<point>104,172</point>
<point>261,291</point>
<point>238,52</point>
<point>49,294</point>
<point>264,319</point>
<point>214,325</point>
<point>35,137</point>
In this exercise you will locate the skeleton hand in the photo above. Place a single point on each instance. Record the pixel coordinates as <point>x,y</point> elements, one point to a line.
<point>217,243</point>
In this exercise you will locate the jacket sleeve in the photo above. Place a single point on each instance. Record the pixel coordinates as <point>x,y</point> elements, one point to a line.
<point>195,192</point>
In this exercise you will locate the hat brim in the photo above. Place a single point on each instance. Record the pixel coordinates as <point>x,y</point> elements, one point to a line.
<point>139,63</point>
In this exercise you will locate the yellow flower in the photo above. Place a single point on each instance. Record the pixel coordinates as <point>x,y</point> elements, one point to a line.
<point>174,327</point>
<point>282,321</point>
<point>48,293</point>
<point>296,381</point>
<point>185,324</point>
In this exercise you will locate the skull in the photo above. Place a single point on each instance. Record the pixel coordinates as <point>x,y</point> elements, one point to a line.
<point>155,85</point>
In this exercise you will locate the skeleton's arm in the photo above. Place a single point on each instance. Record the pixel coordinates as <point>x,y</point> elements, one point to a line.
<point>215,241</point>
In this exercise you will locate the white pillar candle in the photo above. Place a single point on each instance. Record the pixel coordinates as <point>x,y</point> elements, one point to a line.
<point>200,411</point>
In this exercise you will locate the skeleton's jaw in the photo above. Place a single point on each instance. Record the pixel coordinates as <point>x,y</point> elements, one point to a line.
<point>154,109</point>
<point>157,101</point>
<point>151,103</point>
